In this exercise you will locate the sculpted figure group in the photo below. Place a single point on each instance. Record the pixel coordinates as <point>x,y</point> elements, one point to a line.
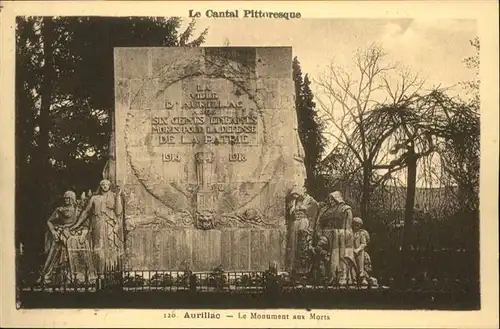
<point>325,241</point>
<point>83,236</point>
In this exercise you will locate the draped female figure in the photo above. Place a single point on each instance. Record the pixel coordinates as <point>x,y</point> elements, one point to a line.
<point>105,214</point>
<point>335,221</point>
<point>68,251</point>
<point>301,213</point>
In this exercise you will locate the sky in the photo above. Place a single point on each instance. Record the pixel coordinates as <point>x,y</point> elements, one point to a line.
<point>433,49</point>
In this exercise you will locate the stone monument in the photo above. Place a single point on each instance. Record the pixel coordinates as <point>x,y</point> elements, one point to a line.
<point>205,149</point>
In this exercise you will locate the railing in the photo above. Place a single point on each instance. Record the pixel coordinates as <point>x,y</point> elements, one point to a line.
<point>62,280</point>
<point>447,268</point>
<point>241,282</point>
<point>440,271</point>
<point>214,281</point>
<point>269,282</point>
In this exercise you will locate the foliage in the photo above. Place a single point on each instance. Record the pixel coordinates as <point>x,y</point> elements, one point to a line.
<point>216,278</point>
<point>130,281</point>
<point>310,127</point>
<point>252,279</point>
<point>162,280</point>
<point>183,280</point>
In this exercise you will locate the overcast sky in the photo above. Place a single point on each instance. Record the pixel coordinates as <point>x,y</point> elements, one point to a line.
<point>435,49</point>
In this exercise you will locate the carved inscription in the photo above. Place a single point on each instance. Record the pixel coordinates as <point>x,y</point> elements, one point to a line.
<point>171,157</point>
<point>217,130</point>
<point>204,118</point>
<point>237,157</point>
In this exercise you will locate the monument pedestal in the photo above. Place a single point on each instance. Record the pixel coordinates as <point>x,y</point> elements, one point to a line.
<point>235,249</point>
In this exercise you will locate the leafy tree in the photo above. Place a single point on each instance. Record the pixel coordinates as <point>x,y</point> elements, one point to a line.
<point>64,102</point>
<point>309,128</point>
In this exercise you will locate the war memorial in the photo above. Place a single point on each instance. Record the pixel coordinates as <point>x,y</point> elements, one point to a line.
<point>206,149</point>
<point>204,191</point>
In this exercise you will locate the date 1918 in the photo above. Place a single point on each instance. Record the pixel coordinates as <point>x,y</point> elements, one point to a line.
<point>171,157</point>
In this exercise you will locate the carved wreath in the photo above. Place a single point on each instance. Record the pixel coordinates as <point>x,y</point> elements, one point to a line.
<point>171,193</point>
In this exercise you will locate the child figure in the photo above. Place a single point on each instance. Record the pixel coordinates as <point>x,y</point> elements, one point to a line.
<point>321,259</point>
<point>362,258</point>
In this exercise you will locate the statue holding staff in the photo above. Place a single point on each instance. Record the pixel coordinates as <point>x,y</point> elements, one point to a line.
<point>105,214</point>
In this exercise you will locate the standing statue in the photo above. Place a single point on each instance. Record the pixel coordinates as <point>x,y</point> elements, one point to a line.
<point>105,213</point>
<point>68,250</point>
<point>362,258</point>
<point>335,220</point>
<point>301,213</point>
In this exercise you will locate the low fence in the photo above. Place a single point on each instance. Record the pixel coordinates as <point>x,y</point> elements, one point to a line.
<point>243,282</point>
<point>440,270</point>
<point>448,268</point>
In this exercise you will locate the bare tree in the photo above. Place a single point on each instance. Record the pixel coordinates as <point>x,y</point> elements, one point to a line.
<point>473,62</point>
<point>456,126</point>
<point>364,109</point>
<point>381,118</point>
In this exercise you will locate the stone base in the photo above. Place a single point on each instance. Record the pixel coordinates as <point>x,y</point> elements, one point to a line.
<point>197,250</point>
